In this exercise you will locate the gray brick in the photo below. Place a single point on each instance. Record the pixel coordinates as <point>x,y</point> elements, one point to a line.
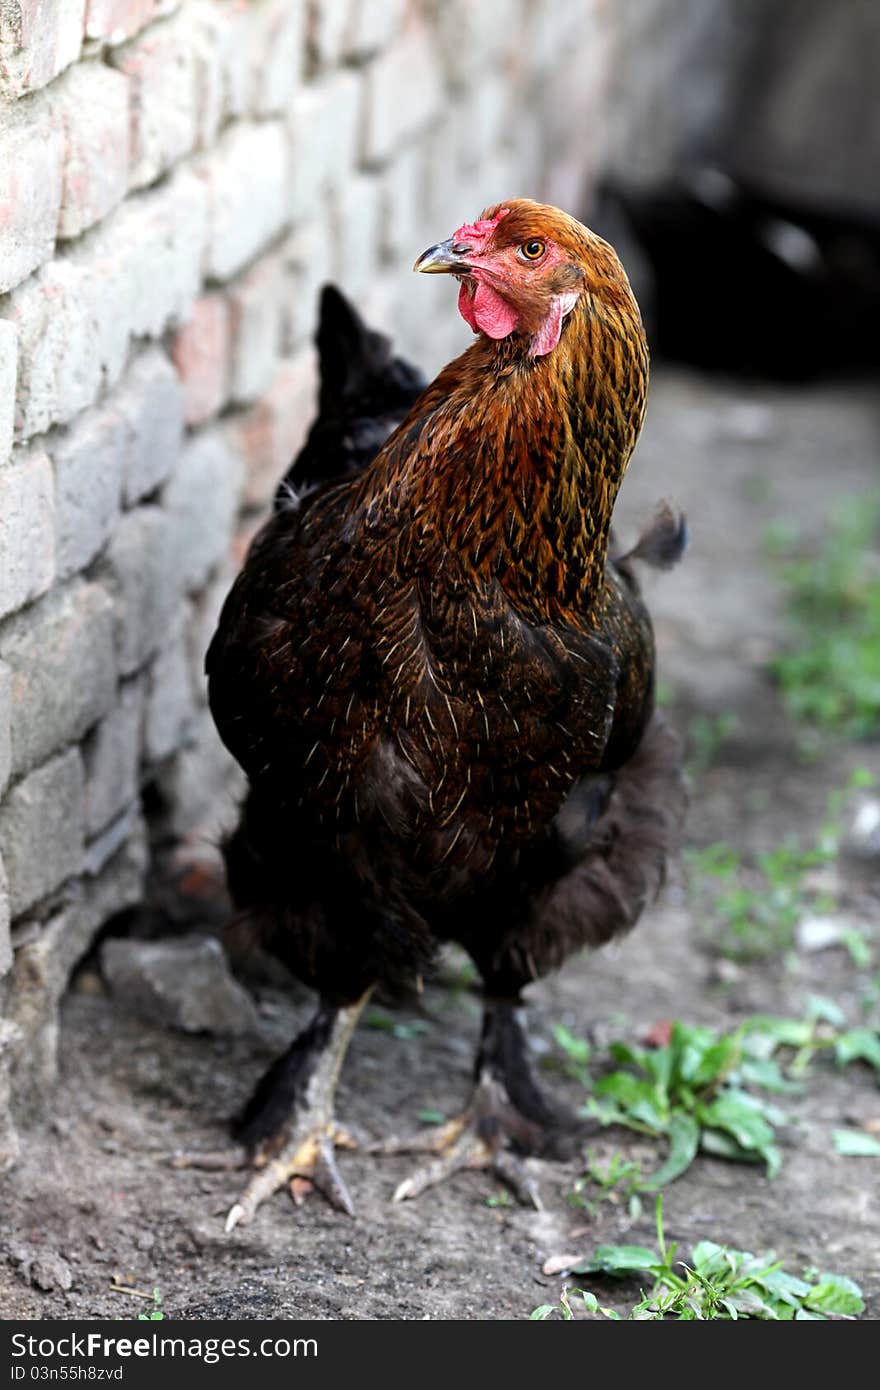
<point>37,983</point>
<point>371,25</point>
<point>153,247</point>
<point>151,402</point>
<point>8,365</point>
<point>328,23</point>
<point>60,655</point>
<point>470,42</point>
<point>203,785</point>
<point>326,121</point>
<point>114,21</point>
<point>27,530</point>
<point>43,966</point>
<point>68,340</point>
<point>41,829</point>
<point>108,841</point>
<point>404,189</point>
<point>10,1046</point>
<point>200,630</point>
<point>112,754</point>
<point>96,115</point>
<point>170,700</point>
<point>162,69</point>
<point>404,94</point>
<point>134,275</point>
<point>5,941</point>
<point>88,482</point>
<point>356,233</point>
<point>277,52</point>
<point>31,152</point>
<point>5,725</point>
<point>145,572</point>
<point>202,501</point>
<point>120,883</point>
<point>256,304</point>
<point>308,255</point>
<point>37,41</point>
<point>247,178</point>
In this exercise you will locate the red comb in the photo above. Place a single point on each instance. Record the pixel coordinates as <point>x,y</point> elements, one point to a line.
<point>478,233</point>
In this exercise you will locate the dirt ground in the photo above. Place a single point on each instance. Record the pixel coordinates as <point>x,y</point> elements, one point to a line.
<point>94,1185</point>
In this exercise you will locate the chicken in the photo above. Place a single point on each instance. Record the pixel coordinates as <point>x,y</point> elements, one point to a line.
<point>440,686</point>
<point>365,392</point>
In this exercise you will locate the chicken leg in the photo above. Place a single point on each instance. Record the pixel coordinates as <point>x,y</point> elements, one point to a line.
<point>288,1132</point>
<point>507,1116</point>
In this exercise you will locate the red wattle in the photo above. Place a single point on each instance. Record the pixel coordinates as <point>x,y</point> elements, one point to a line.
<point>486,310</point>
<point>466,306</point>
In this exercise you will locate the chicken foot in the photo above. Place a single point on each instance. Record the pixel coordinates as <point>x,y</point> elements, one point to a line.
<point>288,1130</point>
<point>507,1117</point>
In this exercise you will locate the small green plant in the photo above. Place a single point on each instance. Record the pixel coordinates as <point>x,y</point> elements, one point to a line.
<point>398,1028</point>
<point>710,1092</point>
<point>830,677</point>
<point>822,1030</point>
<point>575,1061</point>
<point>707,735</point>
<point>692,1093</point>
<point>499,1199</point>
<point>752,908</point>
<point>431,1117</point>
<point>619,1181</point>
<point>717,1283</point>
<point>156,1313</point>
<point>856,1143</point>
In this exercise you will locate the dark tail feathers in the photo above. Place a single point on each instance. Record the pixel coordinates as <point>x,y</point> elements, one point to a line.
<point>662,542</point>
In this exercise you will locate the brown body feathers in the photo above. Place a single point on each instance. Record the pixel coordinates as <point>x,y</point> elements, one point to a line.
<point>438,683</point>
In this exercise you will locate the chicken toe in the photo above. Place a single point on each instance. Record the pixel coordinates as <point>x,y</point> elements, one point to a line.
<point>482,1137</point>
<point>508,1117</point>
<point>307,1159</point>
<point>288,1131</point>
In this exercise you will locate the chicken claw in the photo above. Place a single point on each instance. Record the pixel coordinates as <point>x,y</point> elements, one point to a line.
<point>309,1154</point>
<point>476,1139</point>
<point>288,1130</point>
<point>507,1117</point>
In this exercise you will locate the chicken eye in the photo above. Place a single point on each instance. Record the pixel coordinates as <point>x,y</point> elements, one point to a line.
<point>532,250</point>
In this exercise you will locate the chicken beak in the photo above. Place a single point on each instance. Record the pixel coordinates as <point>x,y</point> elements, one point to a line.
<point>446,258</point>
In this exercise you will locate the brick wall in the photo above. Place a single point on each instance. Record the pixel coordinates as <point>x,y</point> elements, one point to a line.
<point>177,178</point>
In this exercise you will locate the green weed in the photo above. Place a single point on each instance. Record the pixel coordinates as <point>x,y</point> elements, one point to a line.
<point>830,676</point>
<point>707,735</point>
<point>692,1093</point>
<point>711,1092</point>
<point>398,1028</point>
<point>751,907</point>
<point>156,1313</point>
<point>718,1282</point>
<point>619,1181</point>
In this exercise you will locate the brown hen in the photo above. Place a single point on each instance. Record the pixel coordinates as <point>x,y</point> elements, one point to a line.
<point>440,687</point>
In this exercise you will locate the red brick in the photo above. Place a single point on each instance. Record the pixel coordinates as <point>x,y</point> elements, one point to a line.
<point>200,352</point>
